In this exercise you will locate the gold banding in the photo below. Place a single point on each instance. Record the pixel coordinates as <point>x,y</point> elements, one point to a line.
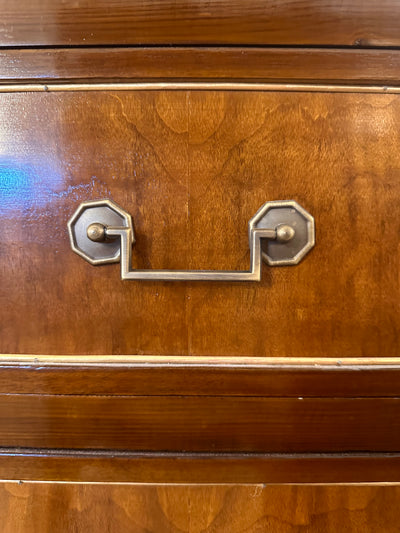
<point>197,86</point>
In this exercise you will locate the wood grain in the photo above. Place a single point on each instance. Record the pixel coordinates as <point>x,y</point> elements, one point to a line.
<point>192,168</point>
<point>43,181</point>
<point>173,377</point>
<point>287,22</point>
<point>116,466</point>
<point>43,508</point>
<point>201,424</point>
<point>361,66</point>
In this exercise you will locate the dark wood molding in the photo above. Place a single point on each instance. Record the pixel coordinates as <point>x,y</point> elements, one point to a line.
<point>87,466</point>
<point>193,407</point>
<point>235,377</point>
<point>166,22</point>
<point>294,65</point>
<point>201,423</point>
<point>270,417</point>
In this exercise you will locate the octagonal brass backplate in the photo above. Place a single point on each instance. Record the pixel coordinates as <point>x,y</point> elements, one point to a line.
<point>105,212</point>
<point>274,214</point>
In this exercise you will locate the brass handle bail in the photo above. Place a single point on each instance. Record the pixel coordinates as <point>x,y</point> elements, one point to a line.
<point>280,233</point>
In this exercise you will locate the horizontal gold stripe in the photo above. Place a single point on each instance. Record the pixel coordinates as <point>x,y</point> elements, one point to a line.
<point>170,361</point>
<point>197,86</point>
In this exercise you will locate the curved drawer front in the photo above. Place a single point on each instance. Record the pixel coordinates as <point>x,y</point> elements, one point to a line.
<point>192,167</point>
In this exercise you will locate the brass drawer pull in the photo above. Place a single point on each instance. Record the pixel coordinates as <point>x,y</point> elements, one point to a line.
<point>280,233</point>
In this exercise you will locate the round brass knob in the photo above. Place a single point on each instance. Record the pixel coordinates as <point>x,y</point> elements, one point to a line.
<point>284,233</point>
<point>96,232</point>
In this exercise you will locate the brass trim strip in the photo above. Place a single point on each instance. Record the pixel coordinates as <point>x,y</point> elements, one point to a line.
<point>195,484</point>
<point>193,361</point>
<point>197,86</point>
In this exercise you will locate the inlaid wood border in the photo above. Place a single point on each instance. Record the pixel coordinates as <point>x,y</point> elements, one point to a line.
<point>199,376</point>
<point>193,64</point>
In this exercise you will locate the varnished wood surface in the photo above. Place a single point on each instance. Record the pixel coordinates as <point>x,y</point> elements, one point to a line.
<point>192,168</point>
<point>201,423</point>
<point>206,377</point>
<point>115,466</point>
<point>287,22</point>
<point>46,508</point>
<point>312,65</point>
<point>210,407</point>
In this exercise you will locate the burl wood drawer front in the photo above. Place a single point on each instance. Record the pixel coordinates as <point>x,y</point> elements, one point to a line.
<point>192,167</point>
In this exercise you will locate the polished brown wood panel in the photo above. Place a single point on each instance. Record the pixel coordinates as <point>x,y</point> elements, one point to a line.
<point>294,22</point>
<point>313,65</point>
<point>206,423</point>
<point>114,466</point>
<point>45,173</point>
<point>46,508</point>
<point>192,168</point>
<point>198,376</point>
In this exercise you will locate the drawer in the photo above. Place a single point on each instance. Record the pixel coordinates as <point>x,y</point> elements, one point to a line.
<point>192,167</point>
<point>148,380</point>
